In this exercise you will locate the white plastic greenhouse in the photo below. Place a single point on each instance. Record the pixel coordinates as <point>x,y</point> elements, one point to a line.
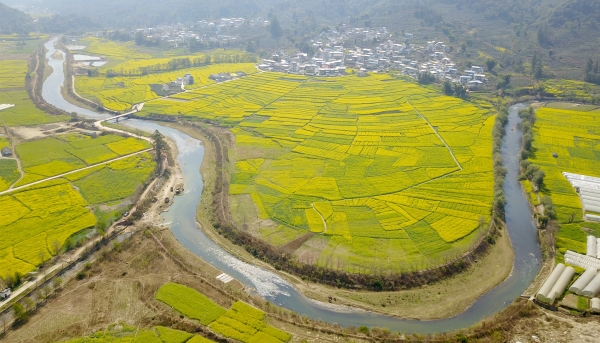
<point>544,293</point>
<point>591,247</point>
<point>585,278</point>
<point>593,288</point>
<point>595,305</point>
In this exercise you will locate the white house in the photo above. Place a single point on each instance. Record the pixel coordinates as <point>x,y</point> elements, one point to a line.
<point>478,70</point>
<point>5,293</point>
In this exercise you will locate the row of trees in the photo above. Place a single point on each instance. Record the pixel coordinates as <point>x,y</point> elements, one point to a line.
<point>499,169</point>
<point>530,171</point>
<point>183,63</point>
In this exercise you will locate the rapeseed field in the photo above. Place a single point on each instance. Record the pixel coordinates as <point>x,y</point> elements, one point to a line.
<point>241,322</point>
<point>126,334</point>
<point>573,135</point>
<point>36,221</point>
<point>386,172</point>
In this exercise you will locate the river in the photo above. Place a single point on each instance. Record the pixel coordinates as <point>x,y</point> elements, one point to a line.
<point>182,219</point>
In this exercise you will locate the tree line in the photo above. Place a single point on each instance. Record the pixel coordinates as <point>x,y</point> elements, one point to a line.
<point>183,63</point>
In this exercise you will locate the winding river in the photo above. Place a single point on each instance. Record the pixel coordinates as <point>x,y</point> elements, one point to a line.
<point>182,219</point>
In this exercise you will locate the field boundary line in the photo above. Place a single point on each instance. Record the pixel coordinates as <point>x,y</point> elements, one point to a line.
<point>73,171</point>
<point>437,134</point>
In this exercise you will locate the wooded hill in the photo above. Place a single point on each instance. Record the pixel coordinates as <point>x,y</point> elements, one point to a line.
<point>14,21</point>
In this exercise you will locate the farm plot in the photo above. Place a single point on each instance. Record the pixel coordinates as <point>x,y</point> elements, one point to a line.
<point>574,136</point>
<point>36,222</point>
<point>127,334</point>
<point>63,153</point>
<point>355,160</point>
<point>241,322</point>
<point>12,91</point>
<point>121,92</point>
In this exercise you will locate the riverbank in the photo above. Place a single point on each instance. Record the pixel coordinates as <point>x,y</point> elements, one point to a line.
<point>439,300</point>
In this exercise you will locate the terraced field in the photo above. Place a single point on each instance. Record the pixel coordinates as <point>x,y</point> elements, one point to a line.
<point>386,173</point>
<point>574,136</point>
<point>241,322</point>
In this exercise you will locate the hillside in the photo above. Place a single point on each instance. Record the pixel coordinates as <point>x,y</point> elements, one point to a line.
<point>14,21</point>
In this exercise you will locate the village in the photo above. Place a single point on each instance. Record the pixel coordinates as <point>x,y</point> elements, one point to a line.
<point>411,59</point>
<point>333,52</point>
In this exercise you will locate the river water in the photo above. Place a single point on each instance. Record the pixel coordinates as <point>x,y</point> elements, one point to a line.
<point>182,220</point>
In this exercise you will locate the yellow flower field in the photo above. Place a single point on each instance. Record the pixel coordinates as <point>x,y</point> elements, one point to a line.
<point>369,164</point>
<point>574,136</point>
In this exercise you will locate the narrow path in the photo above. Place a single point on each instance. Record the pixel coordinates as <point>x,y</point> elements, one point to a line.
<point>13,147</point>
<point>20,169</point>
<point>73,171</point>
<point>322,218</point>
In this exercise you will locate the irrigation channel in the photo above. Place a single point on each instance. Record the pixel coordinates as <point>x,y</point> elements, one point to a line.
<point>182,216</point>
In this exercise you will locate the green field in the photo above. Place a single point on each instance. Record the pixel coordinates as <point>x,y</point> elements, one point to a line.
<point>241,322</point>
<point>9,171</point>
<point>365,163</point>
<point>574,136</point>
<point>126,334</point>
<point>64,153</point>
<point>12,91</point>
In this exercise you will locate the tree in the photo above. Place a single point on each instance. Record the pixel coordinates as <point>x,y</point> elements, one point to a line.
<point>447,88</point>
<point>537,68</point>
<point>21,314</point>
<point>275,29</point>
<point>56,246</point>
<point>460,91</point>
<point>538,178</point>
<point>139,38</point>
<point>425,78</point>
<point>490,64</point>
<point>504,82</point>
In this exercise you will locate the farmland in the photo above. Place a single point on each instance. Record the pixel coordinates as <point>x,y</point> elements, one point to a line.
<point>9,172</point>
<point>573,134</point>
<point>241,322</point>
<point>385,173</point>
<point>59,154</point>
<point>126,334</point>
<point>13,73</point>
<point>37,221</point>
<point>120,92</point>
<point>136,71</point>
